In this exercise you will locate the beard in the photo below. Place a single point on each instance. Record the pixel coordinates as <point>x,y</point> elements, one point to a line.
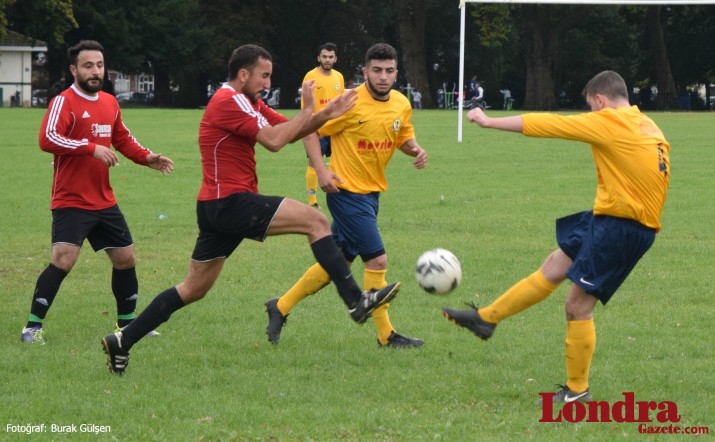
<point>377,93</point>
<point>326,66</point>
<point>86,86</point>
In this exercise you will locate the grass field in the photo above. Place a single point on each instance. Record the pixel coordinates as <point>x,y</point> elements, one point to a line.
<point>213,376</point>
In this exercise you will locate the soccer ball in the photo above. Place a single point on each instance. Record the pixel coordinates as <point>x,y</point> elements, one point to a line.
<point>438,271</point>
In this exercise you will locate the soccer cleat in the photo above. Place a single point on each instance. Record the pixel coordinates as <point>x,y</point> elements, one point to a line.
<point>276,320</point>
<point>471,320</point>
<point>151,334</point>
<point>396,340</point>
<point>315,206</point>
<point>372,299</point>
<point>117,356</point>
<point>33,335</point>
<point>565,395</point>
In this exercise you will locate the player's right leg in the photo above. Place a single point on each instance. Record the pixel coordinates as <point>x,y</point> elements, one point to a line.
<point>70,227</point>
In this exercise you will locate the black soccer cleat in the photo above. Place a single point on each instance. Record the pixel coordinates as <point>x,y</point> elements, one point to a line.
<point>564,395</point>
<point>117,356</point>
<point>276,320</point>
<point>396,340</point>
<point>470,320</point>
<point>372,299</point>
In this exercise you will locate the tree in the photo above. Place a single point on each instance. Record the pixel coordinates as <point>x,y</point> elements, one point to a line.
<point>411,20</point>
<point>667,94</point>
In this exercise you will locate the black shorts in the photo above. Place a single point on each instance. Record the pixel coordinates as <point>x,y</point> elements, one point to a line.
<point>225,222</point>
<point>104,229</point>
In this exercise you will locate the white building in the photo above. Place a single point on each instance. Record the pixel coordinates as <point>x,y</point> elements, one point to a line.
<point>16,51</point>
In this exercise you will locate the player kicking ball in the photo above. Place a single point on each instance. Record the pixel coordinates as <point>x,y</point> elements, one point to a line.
<point>598,248</point>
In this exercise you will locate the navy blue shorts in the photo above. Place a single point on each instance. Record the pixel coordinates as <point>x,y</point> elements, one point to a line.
<point>225,222</point>
<point>104,229</point>
<point>604,250</point>
<point>325,146</point>
<point>355,224</point>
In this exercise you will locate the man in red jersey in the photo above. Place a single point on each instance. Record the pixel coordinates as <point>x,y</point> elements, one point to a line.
<point>229,207</point>
<point>80,126</point>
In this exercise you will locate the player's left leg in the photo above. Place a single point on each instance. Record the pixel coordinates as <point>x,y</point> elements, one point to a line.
<point>125,285</point>
<point>580,338</point>
<point>387,336</point>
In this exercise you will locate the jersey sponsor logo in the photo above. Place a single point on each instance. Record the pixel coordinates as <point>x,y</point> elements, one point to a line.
<point>396,125</point>
<point>366,147</point>
<point>101,130</point>
<point>85,114</point>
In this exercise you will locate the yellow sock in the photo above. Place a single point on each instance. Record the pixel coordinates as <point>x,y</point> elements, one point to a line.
<point>311,183</point>
<point>522,295</point>
<point>580,345</point>
<point>373,280</point>
<point>314,279</point>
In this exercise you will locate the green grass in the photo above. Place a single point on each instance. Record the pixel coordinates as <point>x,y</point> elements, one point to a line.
<point>213,376</point>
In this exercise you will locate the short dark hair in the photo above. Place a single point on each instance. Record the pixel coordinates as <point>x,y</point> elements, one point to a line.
<point>608,83</point>
<point>380,51</point>
<point>246,57</point>
<point>84,45</point>
<point>331,47</point>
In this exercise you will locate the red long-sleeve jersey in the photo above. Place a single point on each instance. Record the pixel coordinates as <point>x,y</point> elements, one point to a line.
<point>75,123</point>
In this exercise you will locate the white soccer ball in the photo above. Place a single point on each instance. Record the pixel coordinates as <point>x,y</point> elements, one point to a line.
<point>438,271</point>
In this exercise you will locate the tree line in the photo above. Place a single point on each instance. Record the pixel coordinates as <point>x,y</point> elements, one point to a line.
<point>543,53</point>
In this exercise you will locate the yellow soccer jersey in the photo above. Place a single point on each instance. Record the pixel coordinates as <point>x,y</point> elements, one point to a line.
<point>364,139</point>
<point>327,87</point>
<point>631,156</point>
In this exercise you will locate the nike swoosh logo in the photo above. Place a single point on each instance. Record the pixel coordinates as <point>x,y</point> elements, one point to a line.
<point>318,87</point>
<point>362,121</point>
<point>568,398</point>
<point>586,282</point>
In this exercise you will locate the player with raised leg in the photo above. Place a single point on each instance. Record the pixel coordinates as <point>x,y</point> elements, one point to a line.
<point>229,207</point>
<point>597,248</point>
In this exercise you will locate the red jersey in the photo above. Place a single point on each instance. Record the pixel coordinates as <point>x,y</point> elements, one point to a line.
<point>227,140</point>
<point>75,123</point>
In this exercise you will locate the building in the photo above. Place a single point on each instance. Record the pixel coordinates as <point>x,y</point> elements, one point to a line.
<point>131,82</point>
<point>16,60</point>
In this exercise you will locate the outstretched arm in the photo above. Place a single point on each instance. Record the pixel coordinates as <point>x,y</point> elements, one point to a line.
<point>511,124</point>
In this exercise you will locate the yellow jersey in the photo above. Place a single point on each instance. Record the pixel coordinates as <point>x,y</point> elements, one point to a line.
<point>327,87</point>
<point>365,138</point>
<point>631,156</point>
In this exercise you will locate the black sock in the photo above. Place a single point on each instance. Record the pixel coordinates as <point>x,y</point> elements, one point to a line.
<point>332,260</point>
<point>156,313</point>
<point>48,284</point>
<point>125,288</point>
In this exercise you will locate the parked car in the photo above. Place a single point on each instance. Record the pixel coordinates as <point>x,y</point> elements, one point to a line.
<point>39,98</point>
<point>272,97</point>
<point>143,98</point>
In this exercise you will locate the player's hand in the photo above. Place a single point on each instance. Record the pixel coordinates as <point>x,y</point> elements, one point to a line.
<point>478,116</point>
<point>420,157</point>
<point>106,155</point>
<point>307,94</point>
<point>341,104</point>
<point>327,180</point>
<point>161,163</point>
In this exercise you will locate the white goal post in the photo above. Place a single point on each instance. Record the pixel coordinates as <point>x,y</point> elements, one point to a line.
<point>463,7</point>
